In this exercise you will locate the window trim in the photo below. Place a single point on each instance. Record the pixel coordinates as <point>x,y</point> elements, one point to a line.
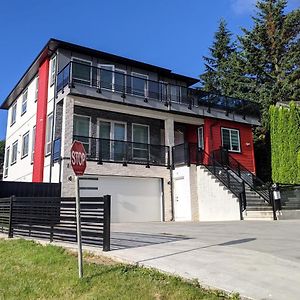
<point>239,139</point>
<point>202,137</point>
<point>53,72</point>
<point>22,150</point>
<point>33,143</point>
<point>25,92</point>
<point>49,142</point>
<point>12,148</point>
<point>11,114</point>
<point>102,67</point>
<point>90,129</point>
<point>36,91</point>
<point>140,75</point>
<point>6,162</point>
<point>148,143</point>
<point>91,70</point>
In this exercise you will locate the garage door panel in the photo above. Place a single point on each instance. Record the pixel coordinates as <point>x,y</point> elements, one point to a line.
<point>133,199</point>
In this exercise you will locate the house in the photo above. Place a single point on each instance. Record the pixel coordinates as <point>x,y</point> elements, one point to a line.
<point>151,139</point>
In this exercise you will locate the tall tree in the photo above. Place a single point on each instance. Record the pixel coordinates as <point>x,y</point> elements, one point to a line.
<point>268,63</point>
<point>216,66</point>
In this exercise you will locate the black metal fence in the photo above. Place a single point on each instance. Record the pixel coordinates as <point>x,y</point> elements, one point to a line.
<point>106,150</point>
<point>29,189</point>
<point>54,219</point>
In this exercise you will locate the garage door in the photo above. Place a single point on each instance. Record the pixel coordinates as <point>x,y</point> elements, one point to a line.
<point>133,199</point>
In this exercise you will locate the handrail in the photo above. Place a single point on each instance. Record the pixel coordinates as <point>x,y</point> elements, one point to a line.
<point>245,174</point>
<point>126,152</point>
<point>190,153</point>
<point>152,89</point>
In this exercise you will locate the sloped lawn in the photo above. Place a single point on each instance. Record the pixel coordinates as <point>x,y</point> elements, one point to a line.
<point>32,271</point>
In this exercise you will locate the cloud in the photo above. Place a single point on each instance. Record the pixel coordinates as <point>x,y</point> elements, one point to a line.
<point>241,7</point>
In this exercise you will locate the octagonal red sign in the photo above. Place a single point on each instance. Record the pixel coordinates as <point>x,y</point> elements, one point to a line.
<point>78,158</point>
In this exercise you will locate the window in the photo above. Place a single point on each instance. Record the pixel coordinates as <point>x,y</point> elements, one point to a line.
<point>36,88</point>
<point>140,139</point>
<point>13,114</point>
<point>82,131</point>
<point>24,102</point>
<point>200,138</point>
<point>14,153</point>
<point>6,164</point>
<point>81,71</point>
<point>107,76</point>
<point>52,70</point>
<point>120,81</point>
<point>33,143</point>
<point>25,144</point>
<point>175,93</point>
<point>139,84</point>
<point>231,139</point>
<point>112,136</point>
<point>49,133</point>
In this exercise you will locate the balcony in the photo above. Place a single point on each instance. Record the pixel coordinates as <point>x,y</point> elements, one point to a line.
<point>124,152</point>
<point>76,74</point>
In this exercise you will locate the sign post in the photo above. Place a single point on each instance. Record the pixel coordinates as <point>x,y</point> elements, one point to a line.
<point>78,163</point>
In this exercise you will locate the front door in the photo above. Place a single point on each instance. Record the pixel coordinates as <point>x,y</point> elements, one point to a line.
<point>112,136</point>
<point>182,203</point>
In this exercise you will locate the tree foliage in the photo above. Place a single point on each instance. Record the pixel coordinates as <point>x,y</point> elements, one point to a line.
<point>214,79</point>
<point>285,132</point>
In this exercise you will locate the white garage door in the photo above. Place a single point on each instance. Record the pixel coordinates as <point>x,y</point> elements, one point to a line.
<point>133,199</point>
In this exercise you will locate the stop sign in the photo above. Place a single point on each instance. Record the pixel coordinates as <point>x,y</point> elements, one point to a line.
<point>78,158</point>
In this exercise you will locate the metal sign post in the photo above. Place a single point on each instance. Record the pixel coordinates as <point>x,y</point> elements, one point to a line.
<point>78,227</point>
<point>78,163</point>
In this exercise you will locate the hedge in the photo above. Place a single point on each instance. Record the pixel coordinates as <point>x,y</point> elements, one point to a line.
<point>285,143</point>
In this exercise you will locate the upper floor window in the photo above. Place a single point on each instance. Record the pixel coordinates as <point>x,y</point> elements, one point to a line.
<point>36,89</point>
<point>33,143</point>
<point>49,133</point>
<point>231,139</point>
<point>140,139</point>
<point>6,163</point>
<point>175,93</point>
<point>82,131</point>
<point>13,114</point>
<point>52,70</point>
<point>14,153</point>
<point>24,102</point>
<point>139,83</point>
<point>81,71</point>
<point>25,144</point>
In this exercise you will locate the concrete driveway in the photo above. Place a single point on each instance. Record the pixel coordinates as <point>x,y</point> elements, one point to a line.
<point>258,259</point>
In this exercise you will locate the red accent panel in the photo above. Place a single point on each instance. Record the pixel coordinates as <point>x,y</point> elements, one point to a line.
<point>191,134</point>
<point>41,123</point>
<point>213,140</point>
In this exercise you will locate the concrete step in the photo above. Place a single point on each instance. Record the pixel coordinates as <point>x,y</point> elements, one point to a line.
<point>264,215</point>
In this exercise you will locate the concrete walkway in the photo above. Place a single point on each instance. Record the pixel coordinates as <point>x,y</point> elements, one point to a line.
<point>258,259</point>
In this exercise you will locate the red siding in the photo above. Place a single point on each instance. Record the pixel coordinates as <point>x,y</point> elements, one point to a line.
<point>213,140</point>
<point>41,122</point>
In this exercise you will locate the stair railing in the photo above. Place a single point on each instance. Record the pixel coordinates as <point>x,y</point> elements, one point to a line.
<point>254,182</point>
<point>198,156</point>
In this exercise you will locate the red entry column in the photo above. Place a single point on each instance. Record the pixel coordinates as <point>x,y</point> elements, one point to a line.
<point>41,123</point>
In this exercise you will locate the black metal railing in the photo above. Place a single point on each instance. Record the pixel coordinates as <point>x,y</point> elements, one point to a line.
<point>254,182</point>
<point>107,150</point>
<point>189,153</point>
<point>101,79</point>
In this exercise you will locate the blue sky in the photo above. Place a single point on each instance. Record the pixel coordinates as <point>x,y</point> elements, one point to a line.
<point>170,33</point>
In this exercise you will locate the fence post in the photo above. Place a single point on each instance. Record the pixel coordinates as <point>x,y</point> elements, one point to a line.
<point>10,224</point>
<point>106,223</point>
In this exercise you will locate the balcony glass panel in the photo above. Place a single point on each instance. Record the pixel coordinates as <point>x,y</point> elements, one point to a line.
<point>81,71</point>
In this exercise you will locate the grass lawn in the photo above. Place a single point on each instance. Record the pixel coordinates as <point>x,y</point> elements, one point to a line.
<point>32,271</point>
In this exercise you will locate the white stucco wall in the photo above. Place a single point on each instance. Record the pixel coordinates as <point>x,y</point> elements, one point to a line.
<point>216,203</point>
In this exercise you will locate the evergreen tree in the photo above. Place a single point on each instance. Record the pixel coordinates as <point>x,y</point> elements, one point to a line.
<point>267,67</point>
<point>216,66</point>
